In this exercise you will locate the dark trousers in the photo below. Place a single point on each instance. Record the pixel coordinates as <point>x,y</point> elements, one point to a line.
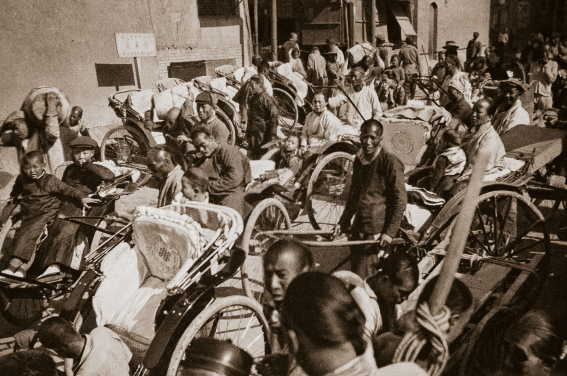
<point>364,258</point>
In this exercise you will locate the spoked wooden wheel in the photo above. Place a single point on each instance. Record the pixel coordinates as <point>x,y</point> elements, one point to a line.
<point>328,189</point>
<point>22,306</point>
<point>237,319</point>
<point>288,111</point>
<point>555,214</point>
<point>223,117</point>
<point>127,147</point>
<point>268,215</point>
<point>507,225</point>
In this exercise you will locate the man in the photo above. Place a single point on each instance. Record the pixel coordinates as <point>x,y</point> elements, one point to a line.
<point>544,73</point>
<point>167,173</point>
<point>284,260</point>
<point>228,170</point>
<point>473,50</point>
<point>262,117</point>
<point>364,98</point>
<point>459,108</point>
<point>454,75</point>
<point>69,130</point>
<point>438,71</point>
<point>289,46</point>
<point>331,44</point>
<point>377,197</point>
<point>316,68</point>
<point>334,67</point>
<point>452,48</point>
<point>382,51</point>
<point>482,137</point>
<point>61,248</point>
<point>410,63</point>
<point>371,73</point>
<point>206,103</point>
<point>100,353</point>
<point>502,41</point>
<point>510,113</point>
<point>321,122</point>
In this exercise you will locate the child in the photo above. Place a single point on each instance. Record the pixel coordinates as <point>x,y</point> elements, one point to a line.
<point>296,64</point>
<point>39,194</point>
<point>390,92</point>
<point>449,164</point>
<point>289,154</point>
<point>63,246</point>
<point>194,187</point>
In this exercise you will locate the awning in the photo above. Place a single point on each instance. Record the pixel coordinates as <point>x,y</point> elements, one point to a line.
<point>403,20</point>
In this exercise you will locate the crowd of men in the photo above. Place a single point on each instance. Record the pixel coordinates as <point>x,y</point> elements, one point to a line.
<point>348,323</point>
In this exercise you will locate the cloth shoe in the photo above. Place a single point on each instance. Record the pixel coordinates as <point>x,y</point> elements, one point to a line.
<point>51,270</point>
<point>17,273</point>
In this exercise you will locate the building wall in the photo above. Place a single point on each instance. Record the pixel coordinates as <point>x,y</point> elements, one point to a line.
<point>58,42</point>
<point>457,20</point>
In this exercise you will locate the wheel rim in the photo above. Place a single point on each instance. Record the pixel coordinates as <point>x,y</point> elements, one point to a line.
<point>287,108</point>
<point>506,225</point>
<point>239,324</point>
<point>127,150</point>
<point>329,194</point>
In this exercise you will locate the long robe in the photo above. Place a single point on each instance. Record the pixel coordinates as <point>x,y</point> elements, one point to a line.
<point>170,187</point>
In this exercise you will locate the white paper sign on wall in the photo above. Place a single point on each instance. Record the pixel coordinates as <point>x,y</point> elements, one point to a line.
<point>136,44</point>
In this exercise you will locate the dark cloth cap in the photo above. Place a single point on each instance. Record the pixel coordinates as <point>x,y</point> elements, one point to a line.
<point>206,98</point>
<point>380,38</point>
<point>475,34</point>
<point>513,82</point>
<point>219,357</point>
<point>83,142</point>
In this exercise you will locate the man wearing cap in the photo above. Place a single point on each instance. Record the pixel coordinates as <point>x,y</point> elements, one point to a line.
<point>65,242</point>
<point>262,117</point>
<point>206,103</point>
<point>510,113</point>
<point>473,50</point>
<point>451,47</point>
<point>228,170</point>
<point>410,63</point>
<point>544,73</point>
<point>364,98</point>
<point>382,51</point>
<point>459,108</point>
<point>331,42</point>
<point>316,68</point>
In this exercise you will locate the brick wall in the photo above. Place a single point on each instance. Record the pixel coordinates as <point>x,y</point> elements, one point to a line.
<point>167,56</point>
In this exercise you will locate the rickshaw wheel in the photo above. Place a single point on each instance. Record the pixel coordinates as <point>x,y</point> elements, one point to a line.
<point>22,306</point>
<point>229,124</point>
<point>127,147</point>
<point>508,225</point>
<point>555,214</point>
<point>235,318</point>
<point>7,232</point>
<point>268,215</point>
<point>289,113</point>
<point>328,189</point>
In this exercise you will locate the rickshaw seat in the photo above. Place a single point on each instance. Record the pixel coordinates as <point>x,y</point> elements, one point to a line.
<point>137,277</point>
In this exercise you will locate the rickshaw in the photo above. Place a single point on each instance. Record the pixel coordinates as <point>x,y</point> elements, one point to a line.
<point>168,269</point>
<point>23,300</point>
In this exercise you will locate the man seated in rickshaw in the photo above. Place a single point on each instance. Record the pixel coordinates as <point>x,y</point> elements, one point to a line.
<point>65,239</point>
<point>228,170</point>
<point>511,112</point>
<point>320,122</point>
<point>39,194</point>
<point>364,98</point>
<point>206,103</point>
<point>377,197</point>
<point>167,172</point>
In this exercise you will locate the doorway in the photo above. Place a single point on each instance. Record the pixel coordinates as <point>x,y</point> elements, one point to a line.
<point>433,15</point>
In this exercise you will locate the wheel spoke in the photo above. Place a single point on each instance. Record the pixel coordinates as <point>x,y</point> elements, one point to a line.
<point>505,220</point>
<point>481,220</point>
<point>520,237</point>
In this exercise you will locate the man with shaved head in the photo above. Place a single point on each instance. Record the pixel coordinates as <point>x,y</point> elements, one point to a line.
<point>284,260</point>
<point>167,173</point>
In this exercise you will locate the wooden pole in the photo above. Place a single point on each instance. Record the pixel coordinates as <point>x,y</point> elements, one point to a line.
<point>256,44</point>
<point>459,236</point>
<point>372,35</point>
<point>274,30</point>
<point>137,70</point>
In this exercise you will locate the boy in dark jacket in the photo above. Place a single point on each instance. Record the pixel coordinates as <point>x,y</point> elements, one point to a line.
<point>39,194</point>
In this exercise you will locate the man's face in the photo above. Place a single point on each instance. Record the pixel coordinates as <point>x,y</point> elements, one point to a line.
<point>319,104</point>
<point>158,166</point>
<point>204,144</point>
<point>205,111</point>
<point>441,59</point>
<point>33,168</point>
<point>390,292</point>
<point>63,350</point>
<point>190,192</point>
<point>450,66</point>
<point>479,114</point>
<point>295,54</point>
<point>82,156</point>
<point>395,62</point>
<point>511,95</point>
<point>170,123</point>
<point>75,117</point>
<point>520,359</point>
<point>332,58</point>
<point>254,88</point>
<point>454,94</point>
<point>256,61</point>
<point>370,139</point>
<point>279,271</point>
